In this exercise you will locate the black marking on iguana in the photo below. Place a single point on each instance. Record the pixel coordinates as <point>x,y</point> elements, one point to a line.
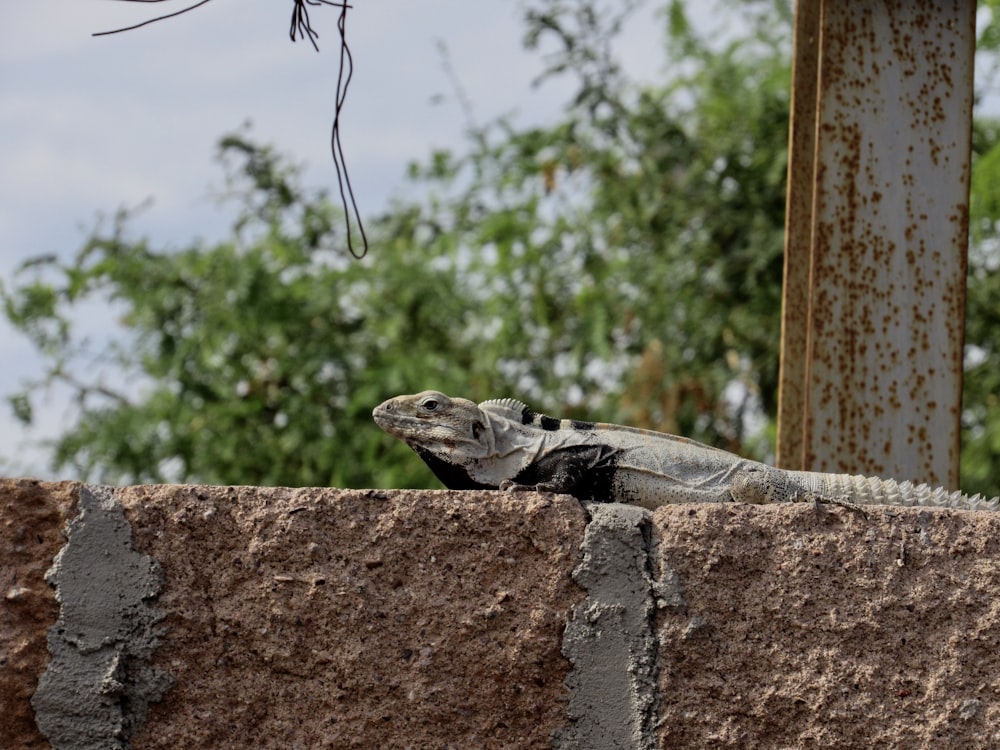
<point>453,477</point>
<point>503,444</point>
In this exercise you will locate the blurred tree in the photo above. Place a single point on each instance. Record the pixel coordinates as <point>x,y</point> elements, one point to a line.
<point>981,396</point>
<point>623,263</point>
<point>252,361</point>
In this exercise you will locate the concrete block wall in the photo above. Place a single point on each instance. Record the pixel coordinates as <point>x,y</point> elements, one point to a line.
<point>187,616</point>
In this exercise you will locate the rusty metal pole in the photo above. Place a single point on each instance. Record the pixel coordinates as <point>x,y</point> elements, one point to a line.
<point>878,390</point>
<point>798,237</point>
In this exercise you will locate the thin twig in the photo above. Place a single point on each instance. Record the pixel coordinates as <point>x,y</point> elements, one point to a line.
<point>456,85</point>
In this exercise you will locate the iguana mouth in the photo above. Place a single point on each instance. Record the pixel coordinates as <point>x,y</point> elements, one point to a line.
<point>387,419</point>
<point>408,428</point>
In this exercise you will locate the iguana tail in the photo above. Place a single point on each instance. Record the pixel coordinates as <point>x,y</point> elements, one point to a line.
<point>864,490</point>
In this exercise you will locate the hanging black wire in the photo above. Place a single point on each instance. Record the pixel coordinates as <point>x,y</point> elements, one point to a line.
<point>337,149</point>
<point>301,28</point>
<point>151,20</point>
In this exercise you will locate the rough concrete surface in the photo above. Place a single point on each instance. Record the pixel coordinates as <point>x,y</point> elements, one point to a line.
<point>327,618</point>
<point>322,618</point>
<point>609,638</point>
<point>98,682</point>
<point>803,627</point>
<point>33,516</point>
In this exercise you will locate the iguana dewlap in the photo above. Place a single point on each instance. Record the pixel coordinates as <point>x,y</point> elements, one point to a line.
<point>503,444</point>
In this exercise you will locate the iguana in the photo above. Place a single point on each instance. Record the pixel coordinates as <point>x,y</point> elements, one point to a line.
<point>503,444</point>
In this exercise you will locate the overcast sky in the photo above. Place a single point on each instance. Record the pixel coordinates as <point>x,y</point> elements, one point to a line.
<point>90,124</point>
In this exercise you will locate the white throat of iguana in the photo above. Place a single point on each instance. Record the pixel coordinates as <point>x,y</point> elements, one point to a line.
<point>509,445</point>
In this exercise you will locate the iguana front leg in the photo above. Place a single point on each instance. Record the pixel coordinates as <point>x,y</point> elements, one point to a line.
<point>572,470</point>
<point>562,483</point>
<point>762,484</point>
<point>564,477</point>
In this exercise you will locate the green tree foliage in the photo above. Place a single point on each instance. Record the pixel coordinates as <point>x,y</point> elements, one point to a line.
<point>981,396</point>
<point>623,263</point>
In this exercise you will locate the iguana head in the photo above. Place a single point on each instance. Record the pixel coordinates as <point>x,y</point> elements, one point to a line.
<point>467,446</point>
<point>431,420</point>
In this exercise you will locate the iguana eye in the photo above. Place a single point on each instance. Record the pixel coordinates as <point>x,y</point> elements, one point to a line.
<point>430,404</point>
